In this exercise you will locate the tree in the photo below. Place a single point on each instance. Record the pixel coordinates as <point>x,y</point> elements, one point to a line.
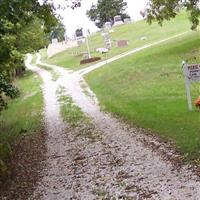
<point>106,10</point>
<point>58,32</point>
<point>34,35</point>
<point>161,10</point>
<point>15,39</point>
<point>23,26</point>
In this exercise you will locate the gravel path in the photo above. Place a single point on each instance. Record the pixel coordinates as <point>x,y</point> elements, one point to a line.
<point>120,165</point>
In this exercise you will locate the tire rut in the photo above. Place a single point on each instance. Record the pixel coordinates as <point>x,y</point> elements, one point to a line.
<point>117,166</point>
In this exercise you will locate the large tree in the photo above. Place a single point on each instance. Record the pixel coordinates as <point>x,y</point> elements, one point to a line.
<point>16,37</point>
<point>106,10</point>
<point>23,26</point>
<point>58,32</point>
<point>161,10</point>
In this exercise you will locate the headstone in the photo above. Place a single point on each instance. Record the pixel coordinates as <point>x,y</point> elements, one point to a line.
<point>102,50</point>
<point>54,41</point>
<point>79,33</point>
<point>86,56</point>
<point>122,43</point>
<point>107,40</point>
<point>143,38</point>
<point>118,20</point>
<point>108,25</point>
<point>111,31</point>
<point>80,42</point>
<point>127,20</point>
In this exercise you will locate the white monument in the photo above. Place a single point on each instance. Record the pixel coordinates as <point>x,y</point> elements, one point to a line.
<point>54,41</point>
<point>127,20</point>
<point>118,20</point>
<point>108,25</point>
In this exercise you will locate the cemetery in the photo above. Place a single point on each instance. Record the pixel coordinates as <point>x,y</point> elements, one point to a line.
<point>107,114</point>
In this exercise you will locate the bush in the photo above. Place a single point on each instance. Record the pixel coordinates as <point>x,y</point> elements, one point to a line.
<point>5,152</point>
<point>89,60</point>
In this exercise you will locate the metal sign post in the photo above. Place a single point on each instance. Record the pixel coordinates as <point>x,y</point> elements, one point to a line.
<point>192,74</point>
<point>87,43</point>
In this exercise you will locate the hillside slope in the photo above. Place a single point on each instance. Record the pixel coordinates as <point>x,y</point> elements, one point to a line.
<point>148,89</point>
<point>131,32</point>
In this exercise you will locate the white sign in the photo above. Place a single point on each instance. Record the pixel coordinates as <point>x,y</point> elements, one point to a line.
<point>192,74</point>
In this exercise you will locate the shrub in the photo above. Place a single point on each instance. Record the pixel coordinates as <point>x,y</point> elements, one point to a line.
<point>89,60</point>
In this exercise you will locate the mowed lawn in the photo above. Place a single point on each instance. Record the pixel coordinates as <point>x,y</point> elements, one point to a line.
<point>23,115</point>
<point>132,32</point>
<point>147,89</point>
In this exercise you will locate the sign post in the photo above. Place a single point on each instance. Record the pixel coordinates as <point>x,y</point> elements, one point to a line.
<point>192,74</point>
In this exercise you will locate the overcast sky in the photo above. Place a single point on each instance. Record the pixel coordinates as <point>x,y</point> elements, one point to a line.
<point>73,19</point>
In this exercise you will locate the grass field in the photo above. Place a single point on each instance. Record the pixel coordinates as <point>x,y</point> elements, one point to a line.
<point>147,89</point>
<point>23,116</point>
<point>131,32</point>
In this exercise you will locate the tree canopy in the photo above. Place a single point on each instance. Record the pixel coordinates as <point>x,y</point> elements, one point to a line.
<point>106,10</point>
<point>58,32</point>
<point>161,10</point>
<point>20,32</point>
<point>24,25</point>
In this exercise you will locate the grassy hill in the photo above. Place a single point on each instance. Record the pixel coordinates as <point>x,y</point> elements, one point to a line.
<point>148,89</point>
<point>23,117</point>
<point>131,32</point>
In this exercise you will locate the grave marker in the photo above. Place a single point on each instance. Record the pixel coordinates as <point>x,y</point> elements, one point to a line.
<point>122,43</point>
<point>108,25</point>
<point>118,20</point>
<point>54,41</point>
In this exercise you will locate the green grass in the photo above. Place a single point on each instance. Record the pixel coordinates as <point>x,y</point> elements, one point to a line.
<point>79,123</point>
<point>23,116</point>
<point>132,32</point>
<point>147,89</point>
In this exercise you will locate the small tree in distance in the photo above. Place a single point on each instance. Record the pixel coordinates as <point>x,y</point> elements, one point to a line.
<point>106,10</point>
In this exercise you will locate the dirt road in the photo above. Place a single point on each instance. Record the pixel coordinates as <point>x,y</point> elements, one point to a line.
<point>121,164</point>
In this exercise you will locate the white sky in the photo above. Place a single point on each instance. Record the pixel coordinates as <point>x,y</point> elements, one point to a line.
<point>73,19</point>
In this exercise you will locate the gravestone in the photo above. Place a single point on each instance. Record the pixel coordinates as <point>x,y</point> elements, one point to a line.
<point>107,40</point>
<point>118,20</point>
<point>127,20</point>
<point>80,42</point>
<point>102,50</point>
<point>108,25</point>
<point>122,43</point>
<point>143,38</point>
<point>86,56</point>
<point>79,33</point>
<point>54,41</point>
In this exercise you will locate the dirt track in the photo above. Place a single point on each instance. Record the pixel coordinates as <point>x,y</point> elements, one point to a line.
<point>120,164</point>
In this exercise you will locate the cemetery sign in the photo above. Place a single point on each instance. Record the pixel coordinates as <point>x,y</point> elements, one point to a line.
<point>192,74</point>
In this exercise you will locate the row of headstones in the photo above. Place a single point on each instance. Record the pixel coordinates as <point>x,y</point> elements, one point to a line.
<point>117,21</point>
<point>108,25</point>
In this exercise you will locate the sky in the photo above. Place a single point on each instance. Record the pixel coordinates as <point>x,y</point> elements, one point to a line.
<point>77,18</point>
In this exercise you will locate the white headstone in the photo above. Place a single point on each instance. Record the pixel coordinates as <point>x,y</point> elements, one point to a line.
<point>108,25</point>
<point>127,20</point>
<point>54,41</point>
<point>118,20</point>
